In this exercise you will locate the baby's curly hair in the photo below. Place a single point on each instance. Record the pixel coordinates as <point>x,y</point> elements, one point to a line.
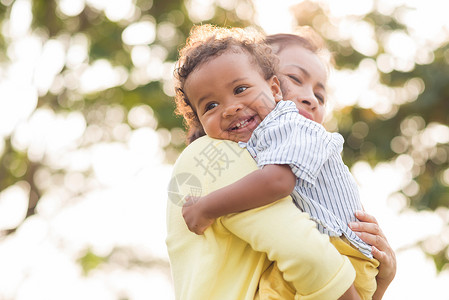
<point>206,42</point>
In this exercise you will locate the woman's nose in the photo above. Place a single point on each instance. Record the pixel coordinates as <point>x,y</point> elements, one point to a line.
<point>310,100</point>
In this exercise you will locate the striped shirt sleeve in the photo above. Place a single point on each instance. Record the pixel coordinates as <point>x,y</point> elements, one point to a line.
<point>298,142</point>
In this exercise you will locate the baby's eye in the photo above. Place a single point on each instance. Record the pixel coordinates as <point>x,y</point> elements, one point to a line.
<point>240,89</point>
<point>210,106</point>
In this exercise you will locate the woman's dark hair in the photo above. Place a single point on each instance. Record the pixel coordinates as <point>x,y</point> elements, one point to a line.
<point>304,37</point>
<point>206,42</point>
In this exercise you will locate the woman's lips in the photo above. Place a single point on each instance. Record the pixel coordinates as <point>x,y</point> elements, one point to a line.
<point>306,114</point>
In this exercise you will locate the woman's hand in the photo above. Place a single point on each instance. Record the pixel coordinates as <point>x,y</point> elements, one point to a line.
<point>194,216</point>
<point>369,231</point>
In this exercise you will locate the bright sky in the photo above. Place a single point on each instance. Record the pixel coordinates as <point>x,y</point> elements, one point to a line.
<point>125,202</point>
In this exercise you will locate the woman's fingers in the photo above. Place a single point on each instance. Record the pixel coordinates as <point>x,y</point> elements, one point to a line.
<point>379,255</point>
<point>367,224</point>
<point>368,228</point>
<point>369,231</point>
<point>375,240</point>
<point>364,217</point>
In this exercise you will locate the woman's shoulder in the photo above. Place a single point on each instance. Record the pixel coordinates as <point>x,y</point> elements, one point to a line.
<point>214,163</point>
<point>208,144</point>
<point>206,150</point>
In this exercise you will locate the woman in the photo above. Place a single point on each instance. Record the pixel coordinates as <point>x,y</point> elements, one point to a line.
<point>297,63</point>
<point>229,260</point>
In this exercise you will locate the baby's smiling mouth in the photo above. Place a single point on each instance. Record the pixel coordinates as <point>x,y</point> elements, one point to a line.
<point>242,124</point>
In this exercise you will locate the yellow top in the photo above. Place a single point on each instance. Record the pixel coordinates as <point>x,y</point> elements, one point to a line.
<point>229,259</point>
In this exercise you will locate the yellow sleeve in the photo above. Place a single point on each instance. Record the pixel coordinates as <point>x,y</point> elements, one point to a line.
<point>306,257</point>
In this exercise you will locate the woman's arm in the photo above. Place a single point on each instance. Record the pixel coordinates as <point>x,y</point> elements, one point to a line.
<point>290,238</point>
<point>369,231</point>
<point>257,189</point>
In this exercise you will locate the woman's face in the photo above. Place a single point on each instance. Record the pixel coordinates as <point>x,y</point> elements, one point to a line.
<point>303,79</point>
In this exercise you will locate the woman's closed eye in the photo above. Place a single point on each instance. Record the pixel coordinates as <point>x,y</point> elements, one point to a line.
<point>320,98</point>
<point>295,78</point>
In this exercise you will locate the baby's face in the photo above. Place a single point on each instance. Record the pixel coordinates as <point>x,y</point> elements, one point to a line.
<point>303,80</point>
<point>230,96</point>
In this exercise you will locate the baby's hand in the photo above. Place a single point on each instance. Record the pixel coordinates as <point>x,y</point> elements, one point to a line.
<point>194,217</point>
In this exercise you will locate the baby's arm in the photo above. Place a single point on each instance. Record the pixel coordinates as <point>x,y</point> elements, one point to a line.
<point>259,188</point>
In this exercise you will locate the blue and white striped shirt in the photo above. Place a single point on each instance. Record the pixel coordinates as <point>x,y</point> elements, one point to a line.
<point>324,187</point>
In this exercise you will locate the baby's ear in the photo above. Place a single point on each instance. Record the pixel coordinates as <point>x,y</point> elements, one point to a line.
<point>277,98</point>
<point>276,88</point>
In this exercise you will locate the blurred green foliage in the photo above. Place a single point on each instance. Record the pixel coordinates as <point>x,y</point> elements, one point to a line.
<point>89,261</point>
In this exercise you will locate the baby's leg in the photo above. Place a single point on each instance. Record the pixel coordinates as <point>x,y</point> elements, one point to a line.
<point>272,286</point>
<point>365,268</point>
